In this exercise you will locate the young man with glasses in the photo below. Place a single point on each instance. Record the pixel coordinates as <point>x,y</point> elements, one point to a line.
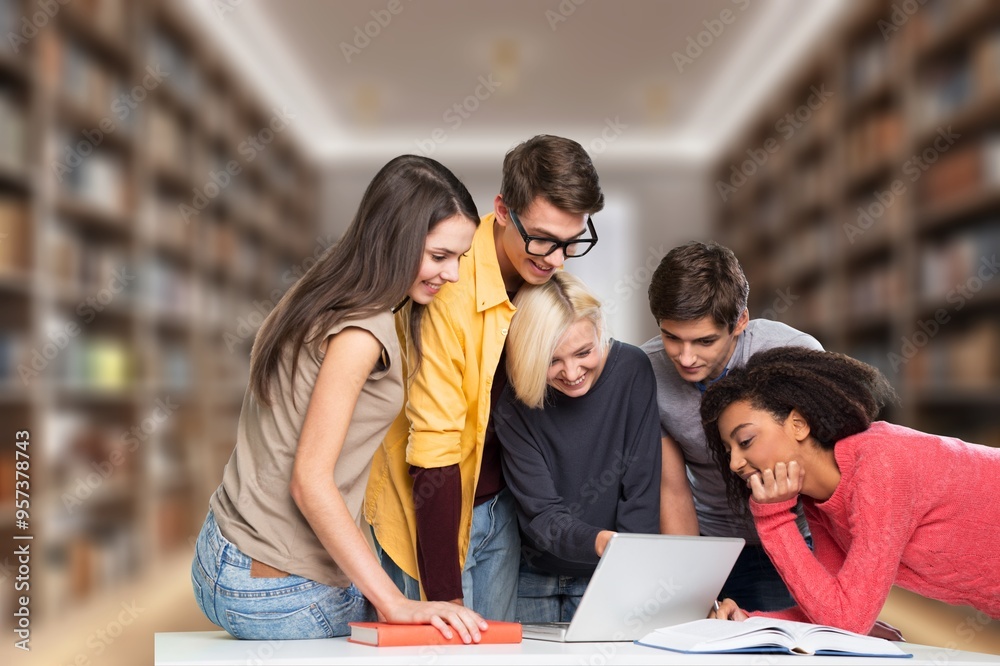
<point>436,499</point>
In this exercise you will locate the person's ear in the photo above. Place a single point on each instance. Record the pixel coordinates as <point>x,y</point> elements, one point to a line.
<point>798,425</point>
<point>501,211</point>
<point>742,322</point>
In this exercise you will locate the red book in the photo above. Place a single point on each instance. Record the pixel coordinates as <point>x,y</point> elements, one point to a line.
<point>384,634</point>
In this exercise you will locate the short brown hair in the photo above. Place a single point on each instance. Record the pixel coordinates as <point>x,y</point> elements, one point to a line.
<point>558,170</point>
<point>698,279</point>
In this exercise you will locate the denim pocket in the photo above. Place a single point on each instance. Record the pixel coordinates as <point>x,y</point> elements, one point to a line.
<point>197,590</point>
<point>301,623</point>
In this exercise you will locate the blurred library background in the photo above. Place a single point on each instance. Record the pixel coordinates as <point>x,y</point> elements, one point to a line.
<point>168,170</point>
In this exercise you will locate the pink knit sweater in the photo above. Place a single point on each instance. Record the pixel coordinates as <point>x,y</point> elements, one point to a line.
<point>911,509</point>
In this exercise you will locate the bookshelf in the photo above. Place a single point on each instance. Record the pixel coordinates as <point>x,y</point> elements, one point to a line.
<point>136,233</point>
<point>879,218</point>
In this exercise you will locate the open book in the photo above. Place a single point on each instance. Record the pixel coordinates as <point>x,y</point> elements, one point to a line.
<point>762,634</point>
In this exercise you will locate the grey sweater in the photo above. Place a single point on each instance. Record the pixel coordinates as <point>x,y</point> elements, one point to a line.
<point>586,464</point>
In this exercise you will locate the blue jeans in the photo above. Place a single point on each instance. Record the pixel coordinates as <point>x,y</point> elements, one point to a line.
<point>547,597</point>
<point>489,579</point>
<point>291,607</point>
<point>754,584</point>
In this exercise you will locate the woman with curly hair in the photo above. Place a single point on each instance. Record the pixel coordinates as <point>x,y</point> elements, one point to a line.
<point>887,505</point>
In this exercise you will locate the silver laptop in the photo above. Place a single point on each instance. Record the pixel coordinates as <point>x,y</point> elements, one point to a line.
<point>644,582</point>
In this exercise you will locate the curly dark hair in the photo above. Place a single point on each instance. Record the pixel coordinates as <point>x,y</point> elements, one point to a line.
<point>837,395</point>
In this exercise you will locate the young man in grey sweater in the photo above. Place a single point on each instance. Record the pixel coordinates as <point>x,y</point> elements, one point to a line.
<point>698,297</point>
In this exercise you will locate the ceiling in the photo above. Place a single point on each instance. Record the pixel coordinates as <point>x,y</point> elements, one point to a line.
<point>637,79</point>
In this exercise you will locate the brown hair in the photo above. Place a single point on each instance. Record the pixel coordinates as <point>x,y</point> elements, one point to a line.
<point>837,395</point>
<point>558,170</point>
<point>371,268</point>
<point>699,279</point>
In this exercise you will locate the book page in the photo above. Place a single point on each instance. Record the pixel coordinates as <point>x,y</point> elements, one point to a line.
<point>765,634</point>
<point>712,635</point>
<point>814,637</point>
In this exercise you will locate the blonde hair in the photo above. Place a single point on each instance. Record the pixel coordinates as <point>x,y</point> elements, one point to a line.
<point>544,313</point>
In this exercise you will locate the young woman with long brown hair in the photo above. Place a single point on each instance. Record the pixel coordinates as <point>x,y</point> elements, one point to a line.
<point>281,554</point>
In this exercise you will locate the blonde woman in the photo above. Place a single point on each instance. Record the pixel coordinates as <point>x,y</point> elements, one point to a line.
<point>580,435</point>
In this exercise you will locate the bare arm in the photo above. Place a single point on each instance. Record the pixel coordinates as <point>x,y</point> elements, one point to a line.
<point>350,356</point>
<point>677,515</point>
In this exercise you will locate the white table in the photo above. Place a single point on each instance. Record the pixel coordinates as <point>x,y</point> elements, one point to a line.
<point>217,648</point>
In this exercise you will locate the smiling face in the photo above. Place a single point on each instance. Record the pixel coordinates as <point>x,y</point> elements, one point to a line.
<point>757,441</point>
<point>701,348</point>
<point>541,218</point>
<point>577,361</point>
<point>445,244</point>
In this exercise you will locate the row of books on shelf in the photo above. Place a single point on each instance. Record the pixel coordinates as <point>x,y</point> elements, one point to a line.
<point>94,362</point>
<point>876,137</point>
<point>948,359</point>
<point>948,87</point>
<point>169,53</point>
<point>806,248</point>
<point>170,144</point>
<point>948,265</point>
<point>107,16</point>
<point>89,84</point>
<point>812,183</point>
<point>103,93</point>
<point>15,232</point>
<point>82,265</point>
<point>96,180</point>
<point>875,291</point>
<point>13,132</point>
<point>84,452</point>
<point>870,64</point>
<point>168,289</point>
<point>964,171</point>
<point>168,225</point>
<point>937,17</point>
<point>85,562</point>
<point>814,308</point>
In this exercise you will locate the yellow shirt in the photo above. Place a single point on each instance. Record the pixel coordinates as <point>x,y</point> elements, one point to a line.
<point>448,403</point>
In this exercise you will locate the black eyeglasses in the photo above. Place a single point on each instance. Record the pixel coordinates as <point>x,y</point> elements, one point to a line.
<point>541,246</point>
